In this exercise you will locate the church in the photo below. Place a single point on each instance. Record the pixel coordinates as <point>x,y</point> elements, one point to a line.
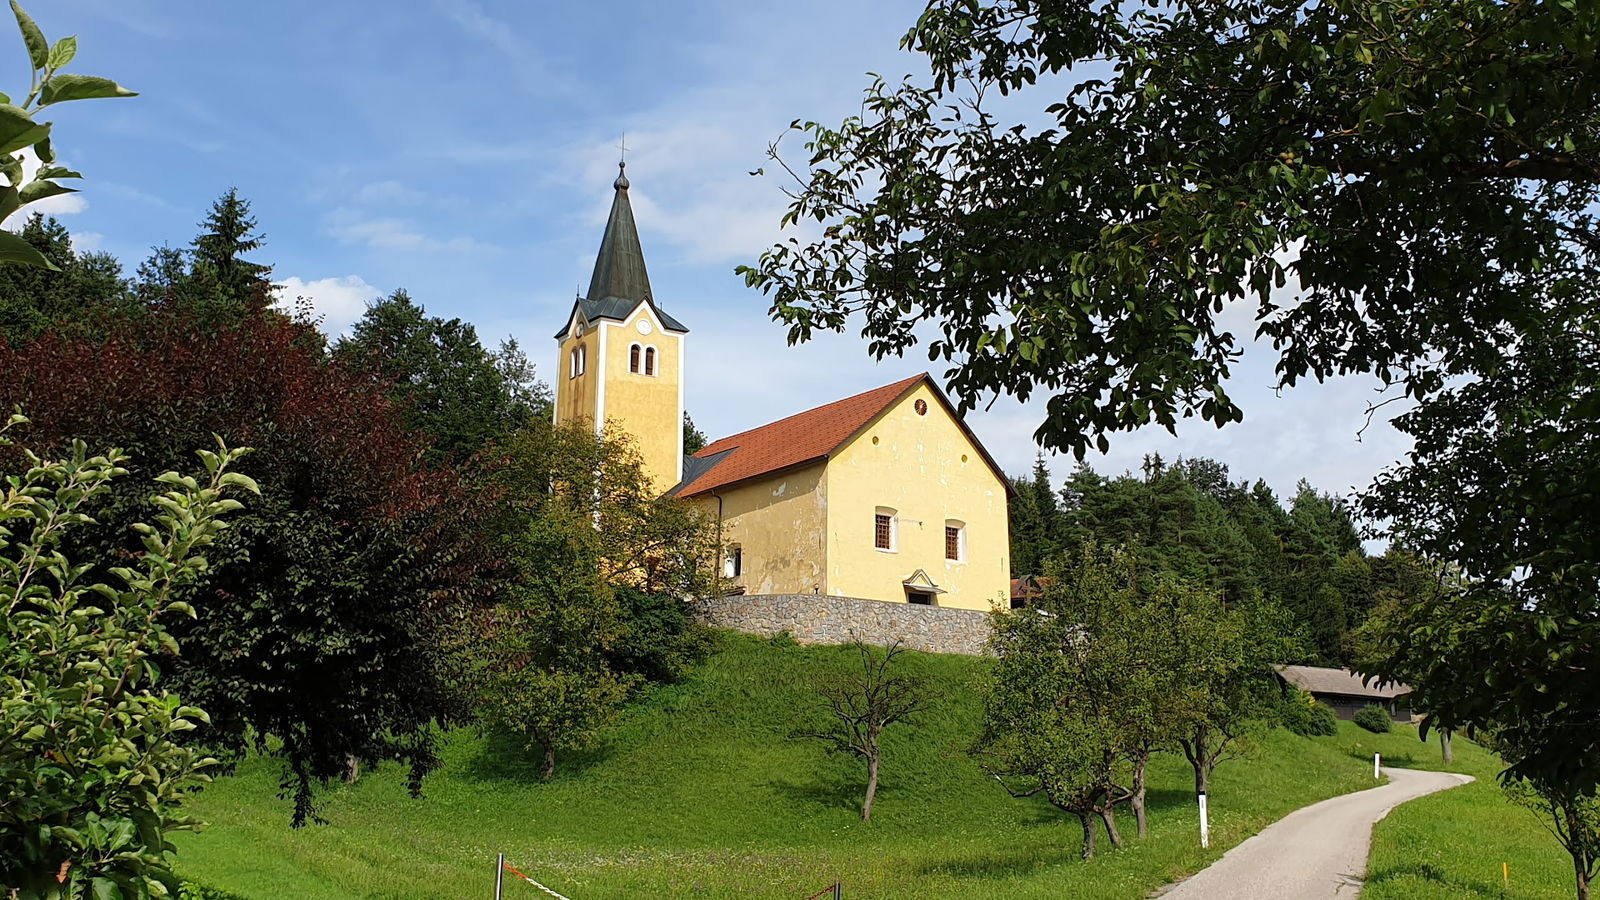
<point>886,495</point>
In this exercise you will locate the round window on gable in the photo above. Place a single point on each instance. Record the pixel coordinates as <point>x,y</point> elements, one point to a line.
<point>921,406</point>
<point>874,440</point>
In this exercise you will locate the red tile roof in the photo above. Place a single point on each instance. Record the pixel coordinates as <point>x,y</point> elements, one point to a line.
<point>803,437</point>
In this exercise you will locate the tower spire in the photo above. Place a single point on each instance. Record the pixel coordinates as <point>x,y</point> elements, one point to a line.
<point>619,267</point>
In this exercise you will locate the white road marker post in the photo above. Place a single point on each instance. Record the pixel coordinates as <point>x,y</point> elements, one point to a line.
<point>499,874</point>
<point>1375,775</point>
<point>1205,823</point>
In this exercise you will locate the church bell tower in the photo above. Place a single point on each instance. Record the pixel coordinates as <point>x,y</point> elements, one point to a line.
<point>620,362</point>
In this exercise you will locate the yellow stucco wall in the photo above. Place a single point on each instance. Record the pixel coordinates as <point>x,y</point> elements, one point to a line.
<point>646,406</point>
<point>575,397</point>
<point>926,469</point>
<point>779,522</point>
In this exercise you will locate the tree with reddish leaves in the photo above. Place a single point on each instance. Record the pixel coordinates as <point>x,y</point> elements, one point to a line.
<point>326,625</point>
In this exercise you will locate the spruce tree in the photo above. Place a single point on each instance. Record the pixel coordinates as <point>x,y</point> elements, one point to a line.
<point>220,274</point>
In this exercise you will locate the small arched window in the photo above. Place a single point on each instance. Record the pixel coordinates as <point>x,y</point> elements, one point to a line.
<point>649,360</point>
<point>580,359</point>
<point>955,540</point>
<point>885,528</point>
<point>633,358</point>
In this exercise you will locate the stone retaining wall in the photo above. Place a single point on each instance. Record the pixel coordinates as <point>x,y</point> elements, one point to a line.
<point>819,619</point>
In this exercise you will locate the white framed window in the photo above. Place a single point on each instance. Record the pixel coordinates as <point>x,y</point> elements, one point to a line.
<point>955,540</point>
<point>650,360</point>
<point>885,530</point>
<point>580,360</point>
<point>634,353</point>
<point>733,565</point>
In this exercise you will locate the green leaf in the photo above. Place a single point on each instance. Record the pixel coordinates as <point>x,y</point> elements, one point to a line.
<point>61,88</point>
<point>18,252</point>
<point>38,47</point>
<point>104,888</point>
<point>63,52</point>
<point>18,130</point>
<point>56,172</point>
<point>38,190</point>
<point>45,152</point>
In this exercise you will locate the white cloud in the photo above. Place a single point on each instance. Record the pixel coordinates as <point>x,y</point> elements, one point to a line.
<point>338,301</point>
<point>87,241</point>
<point>390,233</point>
<point>519,54</point>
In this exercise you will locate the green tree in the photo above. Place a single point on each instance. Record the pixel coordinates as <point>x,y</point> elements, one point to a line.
<point>76,294</point>
<point>96,760</point>
<point>694,440</point>
<point>1378,185</point>
<point>1064,710</point>
<point>592,607</point>
<point>1223,666</point>
<point>549,679</point>
<point>1503,487</point>
<point>1574,821</point>
<point>19,131</point>
<point>451,388</point>
<point>327,626</point>
<point>219,275</point>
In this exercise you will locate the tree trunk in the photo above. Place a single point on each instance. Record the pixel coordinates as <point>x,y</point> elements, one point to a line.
<point>1198,760</point>
<point>1087,820</point>
<point>1137,800</point>
<point>1108,815</point>
<point>549,762</point>
<point>1583,877</point>
<point>1444,743</point>
<point>872,788</point>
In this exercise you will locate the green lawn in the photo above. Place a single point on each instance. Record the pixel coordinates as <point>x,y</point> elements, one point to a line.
<point>701,793</point>
<point>1452,844</point>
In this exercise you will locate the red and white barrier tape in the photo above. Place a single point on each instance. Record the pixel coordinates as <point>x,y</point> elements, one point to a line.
<point>513,870</point>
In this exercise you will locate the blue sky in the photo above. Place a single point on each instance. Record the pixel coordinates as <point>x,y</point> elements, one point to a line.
<point>464,150</point>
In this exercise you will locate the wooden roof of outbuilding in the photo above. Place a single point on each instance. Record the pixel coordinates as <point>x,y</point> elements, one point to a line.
<point>1321,680</point>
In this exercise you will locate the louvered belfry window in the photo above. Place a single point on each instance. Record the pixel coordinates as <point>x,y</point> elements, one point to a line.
<point>633,358</point>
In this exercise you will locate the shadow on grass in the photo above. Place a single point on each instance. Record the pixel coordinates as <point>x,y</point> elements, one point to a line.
<point>1002,863</point>
<point>1398,760</point>
<point>1433,876</point>
<point>831,787</point>
<point>506,757</point>
<point>1157,800</point>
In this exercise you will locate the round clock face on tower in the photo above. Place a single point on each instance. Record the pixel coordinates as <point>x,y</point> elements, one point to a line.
<point>644,326</point>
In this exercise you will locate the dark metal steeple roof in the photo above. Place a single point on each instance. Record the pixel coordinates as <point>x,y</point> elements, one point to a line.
<point>619,269</point>
<point>620,282</point>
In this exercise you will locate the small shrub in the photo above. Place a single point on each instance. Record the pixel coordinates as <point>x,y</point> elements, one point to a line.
<point>783,639</point>
<point>1303,715</point>
<point>1373,718</point>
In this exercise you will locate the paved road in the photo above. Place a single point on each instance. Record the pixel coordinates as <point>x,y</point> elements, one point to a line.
<point>1317,852</point>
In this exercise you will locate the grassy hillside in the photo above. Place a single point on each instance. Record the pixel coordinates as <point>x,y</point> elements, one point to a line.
<point>1451,845</point>
<point>701,792</point>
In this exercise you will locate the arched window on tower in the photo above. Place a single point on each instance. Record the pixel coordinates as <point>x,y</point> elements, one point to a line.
<point>580,359</point>
<point>649,360</point>
<point>633,358</point>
